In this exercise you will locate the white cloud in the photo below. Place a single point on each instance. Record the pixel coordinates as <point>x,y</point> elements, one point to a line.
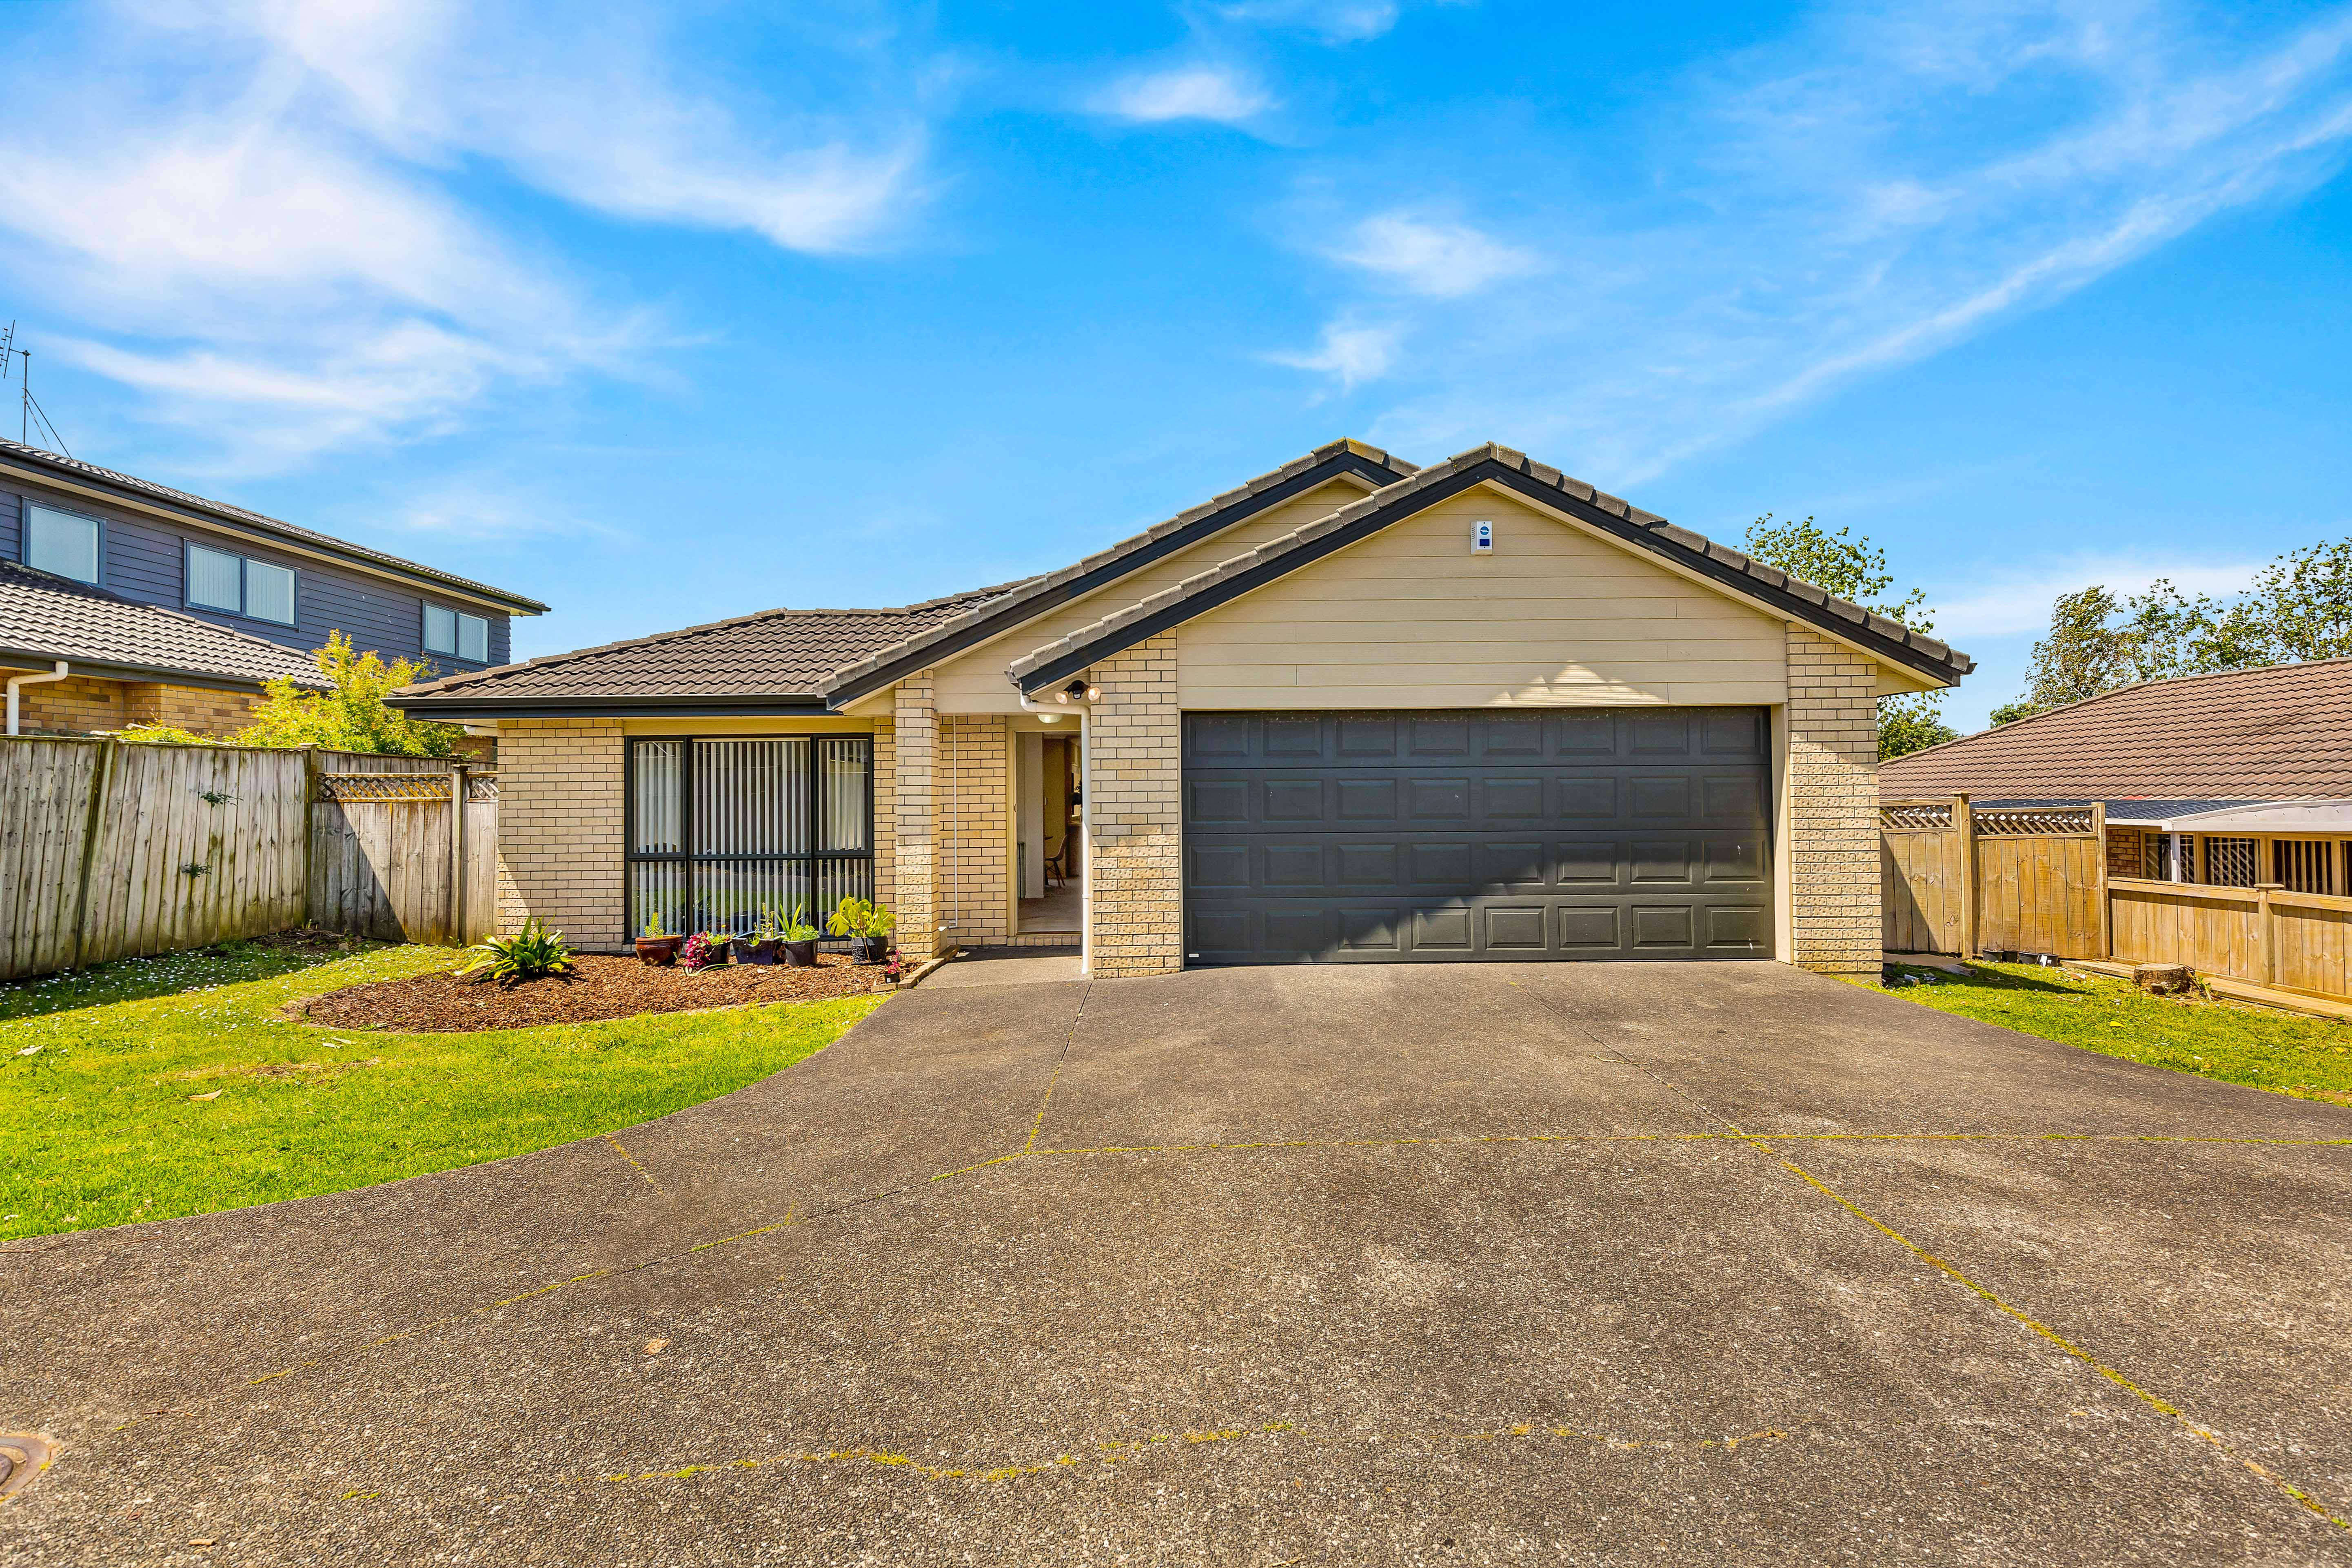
<point>1333,21</point>
<point>1427,255</point>
<point>2018,600</point>
<point>1214,93</point>
<point>1876,187</point>
<point>255,211</point>
<point>1349,353</point>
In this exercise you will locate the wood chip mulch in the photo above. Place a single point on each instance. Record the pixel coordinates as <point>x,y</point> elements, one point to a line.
<point>597,987</point>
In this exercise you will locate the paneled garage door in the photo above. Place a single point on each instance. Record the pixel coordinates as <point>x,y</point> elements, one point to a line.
<point>1413,837</point>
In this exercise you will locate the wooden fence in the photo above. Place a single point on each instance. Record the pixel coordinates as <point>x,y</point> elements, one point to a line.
<point>1961,879</point>
<point>113,850</point>
<point>1969,880</point>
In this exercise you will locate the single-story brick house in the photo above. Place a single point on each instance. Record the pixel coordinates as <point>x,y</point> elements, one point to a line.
<point>2233,779</point>
<point>1352,710</point>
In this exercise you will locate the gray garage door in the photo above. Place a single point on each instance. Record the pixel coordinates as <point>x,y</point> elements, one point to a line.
<point>1412,837</point>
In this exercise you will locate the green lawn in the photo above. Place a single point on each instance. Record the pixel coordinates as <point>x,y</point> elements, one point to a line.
<point>2260,1046</point>
<point>99,1071</point>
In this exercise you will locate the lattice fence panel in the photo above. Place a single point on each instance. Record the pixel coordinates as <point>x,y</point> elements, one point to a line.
<point>2024,821</point>
<point>1914,817</point>
<point>385,786</point>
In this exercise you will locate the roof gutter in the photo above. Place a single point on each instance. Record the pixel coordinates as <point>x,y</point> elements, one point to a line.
<point>16,681</point>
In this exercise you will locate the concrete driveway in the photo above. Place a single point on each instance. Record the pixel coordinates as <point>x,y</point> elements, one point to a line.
<point>1305,1266</point>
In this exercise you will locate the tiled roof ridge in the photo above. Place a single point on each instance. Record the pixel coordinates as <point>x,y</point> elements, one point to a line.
<point>869,663</point>
<point>453,682</point>
<point>2017,725</point>
<point>1517,461</point>
<point>244,514</point>
<point>33,576</point>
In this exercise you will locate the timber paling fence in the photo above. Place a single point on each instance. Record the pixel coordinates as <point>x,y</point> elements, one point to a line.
<point>114,849</point>
<point>1958,879</point>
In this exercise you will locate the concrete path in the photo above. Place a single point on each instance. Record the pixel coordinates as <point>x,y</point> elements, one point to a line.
<point>1590,1264</point>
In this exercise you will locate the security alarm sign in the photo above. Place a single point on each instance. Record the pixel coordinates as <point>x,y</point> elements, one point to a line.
<point>1482,538</point>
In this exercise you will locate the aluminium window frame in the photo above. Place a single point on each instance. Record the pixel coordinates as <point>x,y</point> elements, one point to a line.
<point>245,563</point>
<point>458,619</point>
<point>26,505</point>
<point>631,858</point>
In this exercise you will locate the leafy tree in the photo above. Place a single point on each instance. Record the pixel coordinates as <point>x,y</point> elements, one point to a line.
<point>1855,570</point>
<point>351,716</point>
<point>2298,607</point>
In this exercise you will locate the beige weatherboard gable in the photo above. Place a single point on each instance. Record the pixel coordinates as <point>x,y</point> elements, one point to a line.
<point>1555,615</point>
<point>974,681</point>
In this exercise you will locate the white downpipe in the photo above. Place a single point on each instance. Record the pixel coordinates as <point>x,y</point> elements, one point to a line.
<point>1086,847</point>
<point>17,680</point>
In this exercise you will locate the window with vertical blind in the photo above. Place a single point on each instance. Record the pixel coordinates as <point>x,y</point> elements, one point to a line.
<point>721,827</point>
<point>64,542</point>
<point>218,580</point>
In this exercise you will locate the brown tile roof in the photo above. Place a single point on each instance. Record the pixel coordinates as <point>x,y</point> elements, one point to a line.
<point>75,468</point>
<point>45,618</point>
<point>2275,733</point>
<point>1645,530</point>
<point>771,654</point>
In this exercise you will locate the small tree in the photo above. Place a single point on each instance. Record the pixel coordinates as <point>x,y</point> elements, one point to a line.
<point>351,716</point>
<point>1855,570</point>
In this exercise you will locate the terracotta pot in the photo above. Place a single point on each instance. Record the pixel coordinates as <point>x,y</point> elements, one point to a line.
<point>799,955</point>
<point>659,950</point>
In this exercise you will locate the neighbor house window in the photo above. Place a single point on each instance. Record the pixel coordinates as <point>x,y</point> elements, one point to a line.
<point>719,830</point>
<point>64,542</point>
<point>456,634</point>
<point>218,580</point>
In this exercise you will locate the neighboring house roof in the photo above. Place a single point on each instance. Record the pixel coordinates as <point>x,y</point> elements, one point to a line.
<point>74,467</point>
<point>44,618</point>
<point>800,661</point>
<point>2280,732</point>
<point>1278,557</point>
<point>768,662</point>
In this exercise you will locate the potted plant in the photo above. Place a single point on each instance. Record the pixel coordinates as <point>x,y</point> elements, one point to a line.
<point>800,938</point>
<point>766,937</point>
<point>701,952</point>
<point>867,925</point>
<point>657,947</point>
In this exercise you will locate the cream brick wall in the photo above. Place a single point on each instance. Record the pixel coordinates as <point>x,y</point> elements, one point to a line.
<point>974,801</point>
<point>1134,814</point>
<point>1833,846</point>
<point>886,812</point>
<point>560,834</point>
<point>74,706</point>
<point>914,882</point>
<point>188,707</point>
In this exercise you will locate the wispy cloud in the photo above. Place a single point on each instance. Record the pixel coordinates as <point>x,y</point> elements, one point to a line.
<point>1333,21</point>
<point>1433,256</point>
<point>1999,604</point>
<point>1347,353</point>
<point>256,207</point>
<point>1876,188</point>
<point>1221,93</point>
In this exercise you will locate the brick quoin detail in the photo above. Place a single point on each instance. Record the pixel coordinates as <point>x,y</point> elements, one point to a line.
<point>1833,848</point>
<point>1134,818</point>
<point>974,809</point>
<point>561,835</point>
<point>914,881</point>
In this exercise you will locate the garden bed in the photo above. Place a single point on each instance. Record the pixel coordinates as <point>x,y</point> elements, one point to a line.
<point>597,987</point>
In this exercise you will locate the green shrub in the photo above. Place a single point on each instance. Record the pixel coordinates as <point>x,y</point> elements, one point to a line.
<point>529,954</point>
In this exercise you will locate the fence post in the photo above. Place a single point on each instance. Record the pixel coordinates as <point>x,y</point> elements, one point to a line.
<point>310,832</point>
<point>2266,932</point>
<point>2103,914</point>
<point>1964,823</point>
<point>102,780</point>
<point>458,854</point>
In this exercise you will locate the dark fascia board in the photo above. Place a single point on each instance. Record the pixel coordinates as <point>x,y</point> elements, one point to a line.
<point>1345,461</point>
<point>458,709</point>
<point>1063,666</point>
<point>80,481</point>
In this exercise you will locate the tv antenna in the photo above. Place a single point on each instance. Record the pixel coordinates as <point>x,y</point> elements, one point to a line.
<point>30,416</point>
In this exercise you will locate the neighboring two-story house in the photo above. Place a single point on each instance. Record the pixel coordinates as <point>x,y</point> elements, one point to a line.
<point>124,602</point>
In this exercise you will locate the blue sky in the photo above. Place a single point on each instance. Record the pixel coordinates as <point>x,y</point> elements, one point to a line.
<point>666,314</point>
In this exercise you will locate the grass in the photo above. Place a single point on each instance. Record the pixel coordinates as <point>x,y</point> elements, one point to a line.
<point>100,1122</point>
<point>2258,1047</point>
